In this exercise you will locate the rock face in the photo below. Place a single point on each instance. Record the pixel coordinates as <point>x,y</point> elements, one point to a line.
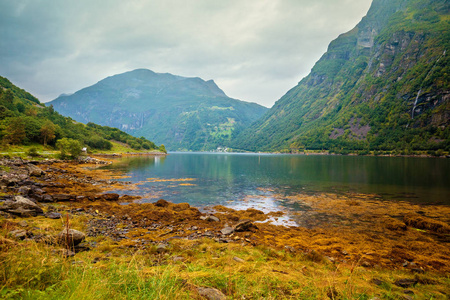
<point>179,112</point>
<point>383,85</point>
<point>21,206</point>
<point>71,237</point>
<point>211,293</point>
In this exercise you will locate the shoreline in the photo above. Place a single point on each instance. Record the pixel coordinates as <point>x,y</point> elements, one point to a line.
<point>340,231</point>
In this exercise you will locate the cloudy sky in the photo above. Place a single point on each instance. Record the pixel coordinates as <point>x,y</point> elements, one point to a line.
<point>255,50</point>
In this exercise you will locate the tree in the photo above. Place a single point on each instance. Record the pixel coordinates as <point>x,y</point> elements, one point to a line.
<point>162,148</point>
<point>48,131</point>
<point>15,131</point>
<point>69,146</point>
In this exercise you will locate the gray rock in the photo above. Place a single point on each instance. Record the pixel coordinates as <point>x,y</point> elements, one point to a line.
<point>18,234</point>
<point>161,248</point>
<point>63,197</point>
<point>240,260</point>
<point>406,283</point>
<point>71,237</point>
<point>211,293</point>
<point>210,218</point>
<point>35,171</point>
<point>23,223</point>
<point>53,215</point>
<point>178,258</point>
<point>245,225</point>
<point>21,206</point>
<point>47,198</point>
<point>227,230</point>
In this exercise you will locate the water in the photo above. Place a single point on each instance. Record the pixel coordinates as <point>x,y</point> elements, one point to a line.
<point>262,181</point>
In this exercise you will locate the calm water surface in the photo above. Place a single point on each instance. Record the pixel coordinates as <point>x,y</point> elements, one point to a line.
<point>262,180</point>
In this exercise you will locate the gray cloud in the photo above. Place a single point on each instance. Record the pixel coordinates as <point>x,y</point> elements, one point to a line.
<point>256,50</point>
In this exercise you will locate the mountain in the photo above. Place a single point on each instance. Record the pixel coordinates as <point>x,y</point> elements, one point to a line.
<point>182,113</point>
<point>383,86</point>
<point>24,120</point>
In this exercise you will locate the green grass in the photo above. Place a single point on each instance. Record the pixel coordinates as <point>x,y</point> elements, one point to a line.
<point>31,270</point>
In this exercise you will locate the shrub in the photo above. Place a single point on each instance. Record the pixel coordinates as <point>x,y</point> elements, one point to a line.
<point>69,147</point>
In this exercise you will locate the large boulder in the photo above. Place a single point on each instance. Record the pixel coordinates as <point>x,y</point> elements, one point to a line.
<point>22,207</point>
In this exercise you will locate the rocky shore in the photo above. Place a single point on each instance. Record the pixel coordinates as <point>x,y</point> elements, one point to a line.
<point>337,230</point>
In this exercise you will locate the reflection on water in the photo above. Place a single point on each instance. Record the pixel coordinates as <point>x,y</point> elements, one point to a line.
<point>262,181</point>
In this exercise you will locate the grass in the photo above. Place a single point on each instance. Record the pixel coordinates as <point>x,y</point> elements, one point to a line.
<point>119,147</point>
<point>32,270</point>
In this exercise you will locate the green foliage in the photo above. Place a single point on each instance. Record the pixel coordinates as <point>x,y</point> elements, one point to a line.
<point>32,152</point>
<point>69,148</point>
<point>182,113</point>
<point>366,93</point>
<point>162,148</point>
<point>23,121</point>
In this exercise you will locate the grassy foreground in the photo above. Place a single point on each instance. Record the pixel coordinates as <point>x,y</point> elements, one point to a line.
<point>111,270</point>
<point>31,270</point>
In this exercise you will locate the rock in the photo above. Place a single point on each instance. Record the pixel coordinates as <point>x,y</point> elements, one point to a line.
<point>210,218</point>
<point>24,190</point>
<point>161,203</point>
<point>53,215</point>
<point>377,281</point>
<point>34,171</point>
<point>66,253</point>
<point>366,264</point>
<point>46,198</point>
<point>21,206</point>
<point>240,260</point>
<point>63,197</point>
<point>289,249</point>
<point>111,197</point>
<point>71,237</point>
<point>418,270</point>
<point>18,234</point>
<point>211,293</point>
<point>23,223</point>
<point>178,258</point>
<point>405,283</point>
<point>227,230</point>
<point>245,225</point>
<point>161,248</point>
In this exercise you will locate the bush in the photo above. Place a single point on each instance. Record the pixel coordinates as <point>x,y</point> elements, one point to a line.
<point>32,152</point>
<point>69,148</point>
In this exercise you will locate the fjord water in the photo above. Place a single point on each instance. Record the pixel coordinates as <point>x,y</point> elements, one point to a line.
<point>263,180</point>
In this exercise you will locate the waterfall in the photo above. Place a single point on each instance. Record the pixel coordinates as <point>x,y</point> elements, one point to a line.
<point>420,89</point>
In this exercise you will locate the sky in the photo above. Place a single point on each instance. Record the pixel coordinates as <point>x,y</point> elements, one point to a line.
<point>255,50</point>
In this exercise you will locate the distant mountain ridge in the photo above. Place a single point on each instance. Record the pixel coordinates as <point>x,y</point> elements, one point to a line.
<point>180,112</point>
<point>384,85</point>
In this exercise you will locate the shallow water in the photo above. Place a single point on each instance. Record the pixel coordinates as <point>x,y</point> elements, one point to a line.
<point>262,181</point>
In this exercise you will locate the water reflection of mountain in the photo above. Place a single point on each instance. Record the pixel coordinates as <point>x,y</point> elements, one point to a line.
<point>136,163</point>
<point>224,177</point>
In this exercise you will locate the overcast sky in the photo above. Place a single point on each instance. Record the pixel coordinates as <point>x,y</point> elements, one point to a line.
<point>255,50</point>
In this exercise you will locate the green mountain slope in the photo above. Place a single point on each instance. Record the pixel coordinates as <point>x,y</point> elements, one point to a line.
<point>182,113</point>
<point>24,120</point>
<point>384,85</point>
